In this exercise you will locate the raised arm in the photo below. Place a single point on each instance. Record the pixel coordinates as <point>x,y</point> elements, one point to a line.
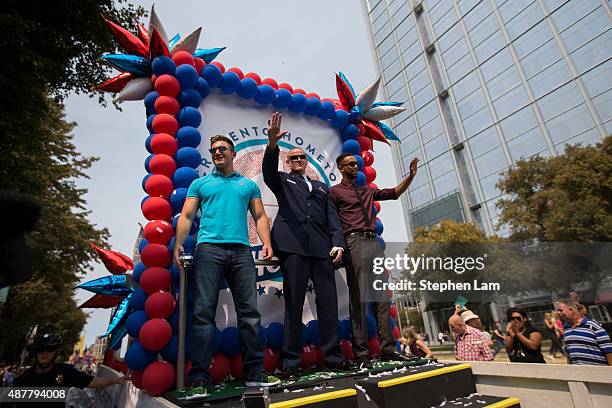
<point>190,208</point>
<point>262,224</point>
<point>405,183</point>
<point>270,160</point>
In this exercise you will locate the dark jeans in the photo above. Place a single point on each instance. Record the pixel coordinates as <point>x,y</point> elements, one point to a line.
<point>360,277</point>
<point>213,263</point>
<point>297,270</point>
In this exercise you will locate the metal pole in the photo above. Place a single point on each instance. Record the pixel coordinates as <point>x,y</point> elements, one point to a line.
<point>180,364</point>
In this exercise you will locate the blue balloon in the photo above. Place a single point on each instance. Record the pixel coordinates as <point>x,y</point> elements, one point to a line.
<point>138,299</point>
<point>150,122</point>
<point>212,74</point>
<point>398,346</point>
<point>305,335</point>
<point>190,243</point>
<point>143,243</point>
<point>340,118</point>
<point>145,198</point>
<point>187,76</point>
<point>189,294</point>
<point>147,162</point>
<point>184,176</point>
<point>265,94</point>
<point>314,336</point>
<point>175,274</point>
<point>381,242</point>
<point>139,268</point>
<point>190,97</point>
<point>374,209</point>
<point>217,340</point>
<point>148,144</point>
<point>177,198</point>
<point>202,87</point>
<point>174,319</point>
<point>149,100</point>
<point>351,146</point>
<point>230,83</point>
<point>188,136</point>
<point>350,131</point>
<point>171,245</point>
<point>379,227</point>
<point>170,352</point>
<point>135,321</point>
<point>298,103</point>
<point>361,179</point>
<point>144,180</point>
<point>371,326</point>
<point>347,329</point>
<point>163,65</point>
<point>274,336</point>
<point>360,162</point>
<point>189,157</point>
<point>327,110</point>
<point>391,322</point>
<point>248,88</point>
<point>313,106</point>
<point>195,226</point>
<point>283,99</point>
<point>262,336</point>
<point>370,309</point>
<point>137,357</point>
<point>230,345</point>
<point>189,117</point>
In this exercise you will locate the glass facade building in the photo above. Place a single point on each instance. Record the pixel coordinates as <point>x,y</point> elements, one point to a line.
<point>486,83</point>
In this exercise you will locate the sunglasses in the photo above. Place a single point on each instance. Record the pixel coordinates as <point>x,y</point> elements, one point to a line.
<point>351,164</point>
<point>297,157</point>
<point>46,349</point>
<point>221,149</point>
<point>517,318</point>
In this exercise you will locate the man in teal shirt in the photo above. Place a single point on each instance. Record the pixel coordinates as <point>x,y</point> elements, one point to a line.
<point>223,252</point>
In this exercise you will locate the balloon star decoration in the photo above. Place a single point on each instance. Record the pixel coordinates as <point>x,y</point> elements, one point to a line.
<point>173,77</point>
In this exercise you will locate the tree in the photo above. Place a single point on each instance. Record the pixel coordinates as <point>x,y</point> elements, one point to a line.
<point>50,49</point>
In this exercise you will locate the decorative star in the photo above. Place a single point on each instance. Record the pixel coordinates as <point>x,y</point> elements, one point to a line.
<point>140,50</point>
<point>278,293</point>
<point>364,111</point>
<point>261,290</point>
<point>309,288</point>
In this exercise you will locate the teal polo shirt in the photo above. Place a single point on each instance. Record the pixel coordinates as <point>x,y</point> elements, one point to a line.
<point>224,202</point>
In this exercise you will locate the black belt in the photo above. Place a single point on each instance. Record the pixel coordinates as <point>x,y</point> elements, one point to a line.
<point>365,234</point>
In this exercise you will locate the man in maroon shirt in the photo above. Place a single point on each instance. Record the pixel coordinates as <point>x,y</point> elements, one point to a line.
<point>355,209</point>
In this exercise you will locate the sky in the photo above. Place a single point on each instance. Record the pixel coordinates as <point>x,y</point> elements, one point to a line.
<point>302,43</point>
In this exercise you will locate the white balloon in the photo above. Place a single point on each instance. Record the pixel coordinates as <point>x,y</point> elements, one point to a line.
<point>135,90</point>
<point>189,43</point>
<point>154,21</point>
<point>383,112</point>
<point>366,98</point>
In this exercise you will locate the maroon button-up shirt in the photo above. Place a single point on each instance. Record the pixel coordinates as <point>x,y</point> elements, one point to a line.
<point>349,208</point>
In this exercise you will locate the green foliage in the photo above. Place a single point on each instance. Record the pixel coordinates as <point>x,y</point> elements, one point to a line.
<point>50,49</point>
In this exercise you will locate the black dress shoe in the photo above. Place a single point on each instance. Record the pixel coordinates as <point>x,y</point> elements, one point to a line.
<point>394,356</point>
<point>290,373</point>
<point>343,365</point>
<point>363,362</point>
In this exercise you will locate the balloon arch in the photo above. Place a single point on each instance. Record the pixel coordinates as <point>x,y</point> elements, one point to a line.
<point>174,77</point>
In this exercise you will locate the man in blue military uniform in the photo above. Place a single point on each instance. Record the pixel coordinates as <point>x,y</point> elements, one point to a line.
<point>306,237</point>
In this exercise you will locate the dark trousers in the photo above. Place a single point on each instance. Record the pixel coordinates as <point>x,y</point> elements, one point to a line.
<point>358,264</point>
<point>213,263</point>
<point>297,270</point>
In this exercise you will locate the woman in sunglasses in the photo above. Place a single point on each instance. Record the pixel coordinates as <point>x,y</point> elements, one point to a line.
<point>523,341</point>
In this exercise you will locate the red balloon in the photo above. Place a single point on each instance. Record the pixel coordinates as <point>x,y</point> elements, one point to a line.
<point>219,368</point>
<point>159,186</point>
<point>157,208</point>
<point>286,86</point>
<point>300,91</point>
<point>163,143</point>
<point>155,334</point>
<point>309,356</point>
<point>167,104</point>
<point>155,255</point>
<point>199,64</point>
<point>271,360</point>
<point>347,350</point>
<point>361,133</point>
<point>376,204</point>
<point>369,172</point>
<point>320,357</point>
<point>393,311</point>
<point>396,332</point>
<point>158,377</point>
<point>167,85</point>
<point>162,164</point>
<point>368,157</point>
<point>136,378</point>
<point>158,232</point>
<point>255,77</point>
<point>182,57</point>
<point>313,95</point>
<point>237,71</point>
<point>374,346</point>
<point>366,144</point>
<point>219,65</point>
<point>236,366</point>
<point>159,305</point>
<point>153,79</point>
<point>155,279</point>
<point>164,123</point>
<point>270,81</point>
<point>373,185</point>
